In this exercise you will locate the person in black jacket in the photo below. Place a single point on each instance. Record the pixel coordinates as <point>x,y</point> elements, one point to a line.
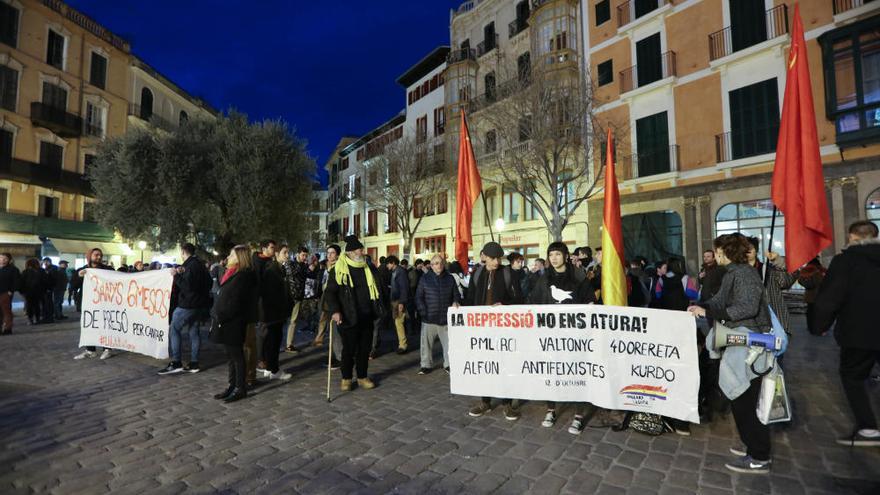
<point>563,284</point>
<point>9,283</point>
<point>437,291</point>
<point>353,299</point>
<point>32,289</point>
<point>849,295</point>
<point>234,309</point>
<point>274,308</point>
<point>60,282</point>
<point>493,285</point>
<point>192,285</point>
<point>48,274</point>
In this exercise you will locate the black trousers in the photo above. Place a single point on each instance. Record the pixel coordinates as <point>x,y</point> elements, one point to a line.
<point>48,307</point>
<point>754,434</point>
<point>235,362</point>
<point>811,317</point>
<point>272,345</point>
<point>855,368</point>
<point>356,344</point>
<point>32,303</point>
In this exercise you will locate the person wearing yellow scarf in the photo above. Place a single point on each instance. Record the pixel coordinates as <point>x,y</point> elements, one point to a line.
<point>343,274</point>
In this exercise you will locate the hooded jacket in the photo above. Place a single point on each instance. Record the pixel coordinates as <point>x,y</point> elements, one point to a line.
<point>849,294</point>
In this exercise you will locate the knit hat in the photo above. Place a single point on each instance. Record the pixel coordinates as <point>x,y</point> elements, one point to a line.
<point>352,243</point>
<point>493,250</point>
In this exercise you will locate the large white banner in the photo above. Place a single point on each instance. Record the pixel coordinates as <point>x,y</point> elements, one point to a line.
<point>633,359</point>
<point>127,311</point>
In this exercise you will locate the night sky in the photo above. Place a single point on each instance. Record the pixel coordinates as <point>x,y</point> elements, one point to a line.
<point>326,67</point>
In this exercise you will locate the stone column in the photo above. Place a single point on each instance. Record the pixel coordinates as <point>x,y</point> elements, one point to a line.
<point>691,248</point>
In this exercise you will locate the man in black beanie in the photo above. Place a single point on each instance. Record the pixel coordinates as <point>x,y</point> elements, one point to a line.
<point>353,298</point>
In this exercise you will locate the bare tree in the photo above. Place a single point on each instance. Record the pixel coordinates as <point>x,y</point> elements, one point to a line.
<point>542,125</point>
<point>403,182</point>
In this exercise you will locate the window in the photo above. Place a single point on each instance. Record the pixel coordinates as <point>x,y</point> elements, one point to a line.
<point>852,79</point>
<point>357,187</point>
<point>491,142</point>
<point>431,245</point>
<point>555,30</point>
<point>344,164</point>
<point>6,141</point>
<point>373,177</point>
<point>511,204</point>
<point>525,128</point>
<point>8,24</point>
<point>3,195</point>
<point>55,50</point>
<point>524,67</point>
<point>606,72</point>
<point>345,225</point>
<point>98,76</point>
<point>753,219</point>
<point>392,219</point>
<point>182,118</point>
<point>656,235</point>
<point>422,129</point>
<point>530,204</point>
<point>748,23</point>
<point>439,120</point>
<point>489,82</point>
<point>372,222</point>
<point>88,163</point>
<point>89,212</point>
<point>603,12</point>
<point>442,206</point>
<point>48,207</point>
<point>648,60</point>
<point>566,193</point>
<point>360,154</point>
<point>489,196</point>
<point>489,37</point>
<point>357,224</point>
<point>652,144</point>
<point>146,112</point>
<point>8,87</point>
<point>754,119</point>
<point>51,155</point>
<point>94,120</point>
<point>433,83</point>
<point>872,207</point>
<point>54,96</point>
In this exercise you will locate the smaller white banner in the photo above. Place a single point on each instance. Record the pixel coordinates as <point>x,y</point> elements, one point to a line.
<point>127,311</point>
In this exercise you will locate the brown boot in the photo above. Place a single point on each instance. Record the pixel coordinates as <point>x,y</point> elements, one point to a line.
<point>346,385</point>
<point>366,383</point>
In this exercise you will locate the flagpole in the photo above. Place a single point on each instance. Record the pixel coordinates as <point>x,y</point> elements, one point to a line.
<point>769,246</point>
<point>486,213</point>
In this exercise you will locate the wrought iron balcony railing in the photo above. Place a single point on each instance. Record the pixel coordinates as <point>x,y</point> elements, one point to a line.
<point>729,40</point>
<point>646,73</point>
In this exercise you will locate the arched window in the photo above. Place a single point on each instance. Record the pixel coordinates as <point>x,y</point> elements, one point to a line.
<point>752,219</point>
<point>872,207</point>
<point>146,104</point>
<point>184,118</point>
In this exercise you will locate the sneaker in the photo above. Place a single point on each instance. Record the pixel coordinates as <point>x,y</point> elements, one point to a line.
<point>106,354</point>
<point>511,413</point>
<point>192,367</point>
<point>335,364</point>
<point>577,426</point>
<point>172,368</point>
<point>739,451</point>
<point>857,439</point>
<point>424,371</point>
<point>345,386</point>
<point>280,376</point>
<point>85,354</point>
<point>677,426</point>
<point>366,383</point>
<point>549,419</point>
<point>747,465</point>
<point>263,374</point>
<point>480,409</point>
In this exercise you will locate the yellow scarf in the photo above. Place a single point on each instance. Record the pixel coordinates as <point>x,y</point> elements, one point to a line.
<point>343,275</point>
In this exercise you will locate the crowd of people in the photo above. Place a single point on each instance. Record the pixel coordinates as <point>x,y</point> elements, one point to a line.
<point>252,299</point>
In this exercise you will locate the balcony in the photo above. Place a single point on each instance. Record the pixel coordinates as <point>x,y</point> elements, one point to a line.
<point>135,110</point>
<point>516,26</point>
<point>841,6</point>
<point>461,55</point>
<point>93,130</point>
<point>487,45</point>
<point>645,164</point>
<point>633,9</point>
<point>633,78</point>
<point>735,145</point>
<point>723,43</point>
<point>38,174</point>
<point>57,120</point>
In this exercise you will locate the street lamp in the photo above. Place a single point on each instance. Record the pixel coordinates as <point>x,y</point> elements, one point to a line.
<point>142,245</point>
<point>499,224</point>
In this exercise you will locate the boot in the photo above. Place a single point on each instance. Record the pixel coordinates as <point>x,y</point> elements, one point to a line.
<point>237,394</point>
<point>225,393</point>
<point>366,383</point>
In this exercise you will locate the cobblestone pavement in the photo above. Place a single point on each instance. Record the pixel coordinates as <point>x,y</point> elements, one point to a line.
<point>115,426</point>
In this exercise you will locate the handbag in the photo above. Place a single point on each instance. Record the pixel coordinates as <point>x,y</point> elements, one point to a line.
<point>647,423</point>
<point>773,404</point>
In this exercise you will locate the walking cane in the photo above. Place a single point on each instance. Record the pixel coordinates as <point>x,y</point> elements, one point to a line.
<point>330,358</point>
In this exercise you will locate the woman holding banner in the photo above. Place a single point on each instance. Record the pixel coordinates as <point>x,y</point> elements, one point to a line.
<point>563,284</point>
<point>740,303</point>
<point>234,307</point>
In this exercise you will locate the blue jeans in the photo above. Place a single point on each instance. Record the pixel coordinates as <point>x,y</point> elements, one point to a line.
<point>59,302</point>
<point>185,318</point>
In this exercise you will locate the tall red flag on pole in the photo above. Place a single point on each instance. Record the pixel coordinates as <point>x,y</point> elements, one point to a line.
<point>469,187</point>
<point>613,273</point>
<point>798,183</point>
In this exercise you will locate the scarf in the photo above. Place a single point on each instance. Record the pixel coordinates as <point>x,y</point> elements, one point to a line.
<point>232,270</point>
<point>343,274</point>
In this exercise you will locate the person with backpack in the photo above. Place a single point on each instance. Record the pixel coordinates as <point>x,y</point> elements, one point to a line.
<point>493,285</point>
<point>192,284</point>
<point>563,283</point>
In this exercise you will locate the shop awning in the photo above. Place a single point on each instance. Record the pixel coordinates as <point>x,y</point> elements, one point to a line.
<point>54,228</point>
<point>76,247</point>
<point>13,238</point>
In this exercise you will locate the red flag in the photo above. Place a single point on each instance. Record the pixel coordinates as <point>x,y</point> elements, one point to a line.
<point>798,183</point>
<point>613,273</point>
<point>469,187</point>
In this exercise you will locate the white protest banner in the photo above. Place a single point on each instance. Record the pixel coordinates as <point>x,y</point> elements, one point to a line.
<point>127,311</point>
<point>634,359</point>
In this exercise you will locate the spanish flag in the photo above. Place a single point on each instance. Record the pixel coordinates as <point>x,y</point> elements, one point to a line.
<point>613,274</point>
<point>469,187</point>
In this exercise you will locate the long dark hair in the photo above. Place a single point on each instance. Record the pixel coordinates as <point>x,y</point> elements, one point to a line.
<point>32,263</point>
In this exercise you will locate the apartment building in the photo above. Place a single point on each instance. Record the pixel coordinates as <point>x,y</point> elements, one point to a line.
<point>698,87</point>
<point>66,83</point>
